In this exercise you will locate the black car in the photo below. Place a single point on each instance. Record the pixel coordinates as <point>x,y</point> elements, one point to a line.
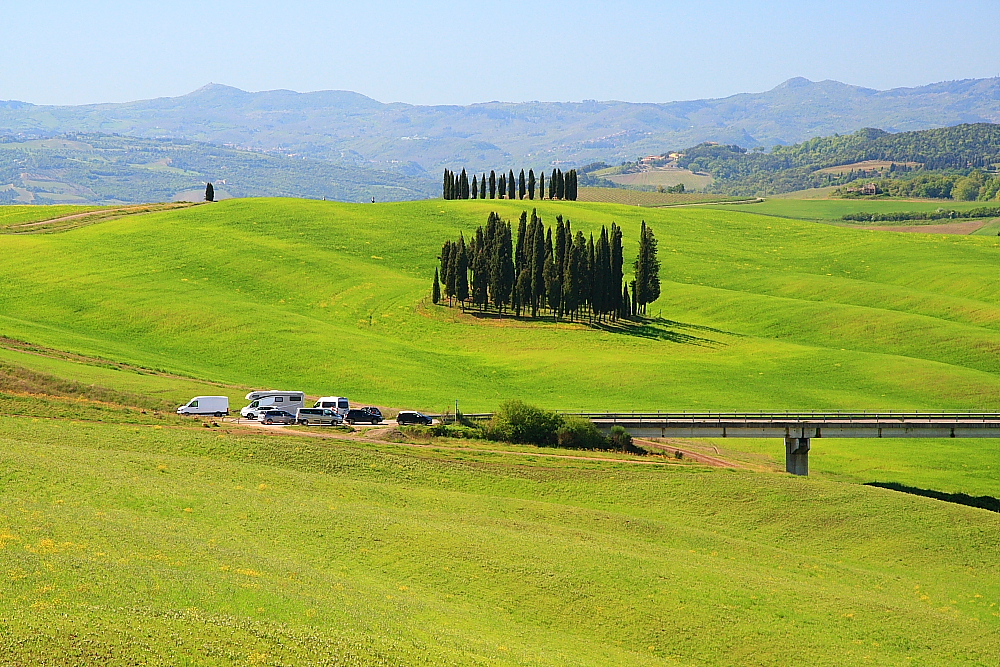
<point>411,417</point>
<point>369,415</point>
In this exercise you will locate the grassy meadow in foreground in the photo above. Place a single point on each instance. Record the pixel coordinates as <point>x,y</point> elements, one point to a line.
<point>125,544</point>
<point>756,313</point>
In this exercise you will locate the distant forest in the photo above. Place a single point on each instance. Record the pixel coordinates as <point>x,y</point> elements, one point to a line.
<point>561,186</point>
<point>942,157</point>
<point>565,274</point>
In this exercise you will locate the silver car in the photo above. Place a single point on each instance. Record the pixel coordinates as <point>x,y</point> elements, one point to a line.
<point>319,416</point>
<point>277,417</point>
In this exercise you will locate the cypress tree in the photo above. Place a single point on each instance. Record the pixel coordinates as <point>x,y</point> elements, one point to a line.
<point>571,185</point>
<point>647,271</point>
<point>463,185</point>
<point>209,192</point>
<point>634,309</point>
<point>552,185</point>
<point>587,271</point>
<point>520,261</point>
<point>493,184</point>
<point>531,184</point>
<point>482,186</point>
<point>446,185</point>
<point>603,295</point>
<point>553,288</point>
<point>506,263</point>
<point>559,259</point>
<point>521,186</point>
<point>626,304</point>
<point>436,291</point>
<point>480,270</point>
<point>502,186</point>
<point>475,187</point>
<point>560,184</point>
<point>570,277</point>
<point>510,185</point>
<point>451,278</point>
<point>537,266</point>
<point>617,268</point>
<point>541,185</point>
<point>462,272</point>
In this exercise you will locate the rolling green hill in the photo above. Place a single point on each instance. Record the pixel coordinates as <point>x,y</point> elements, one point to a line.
<point>127,536</point>
<point>333,298</point>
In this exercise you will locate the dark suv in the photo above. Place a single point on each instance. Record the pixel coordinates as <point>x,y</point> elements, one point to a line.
<point>369,415</point>
<point>411,417</point>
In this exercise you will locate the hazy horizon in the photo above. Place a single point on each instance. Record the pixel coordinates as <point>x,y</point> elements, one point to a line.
<point>456,53</point>
<point>494,101</point>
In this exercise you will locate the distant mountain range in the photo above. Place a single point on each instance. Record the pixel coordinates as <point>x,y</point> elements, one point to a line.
<point>359,133</point>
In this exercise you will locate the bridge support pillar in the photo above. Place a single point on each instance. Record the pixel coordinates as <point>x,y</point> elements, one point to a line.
<point>797,456</point>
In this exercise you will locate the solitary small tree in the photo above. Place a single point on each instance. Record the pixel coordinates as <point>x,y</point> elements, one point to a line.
<point>209,192</point>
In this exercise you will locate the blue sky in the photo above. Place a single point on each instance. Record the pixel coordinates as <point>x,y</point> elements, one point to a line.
<point>58,52</point>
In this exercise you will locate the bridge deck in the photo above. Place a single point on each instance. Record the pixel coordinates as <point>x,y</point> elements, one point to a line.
<point>802,425</point>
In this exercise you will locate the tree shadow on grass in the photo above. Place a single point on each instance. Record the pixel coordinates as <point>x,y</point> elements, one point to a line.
<point>656,328</point>
<point>982,502</point>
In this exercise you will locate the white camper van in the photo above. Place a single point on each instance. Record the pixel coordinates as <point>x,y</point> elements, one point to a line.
<point>338,404</point>
<point>269,399</point>
<point>206,405</point>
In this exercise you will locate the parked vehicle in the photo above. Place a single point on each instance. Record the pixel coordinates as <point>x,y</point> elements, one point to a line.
<point>216,406</point>
<point>365,415</point>
<point>269,399</point>
<point>338,403</point>
<point>277,417</point>
<point>320,416</point>
<point>411,417</point>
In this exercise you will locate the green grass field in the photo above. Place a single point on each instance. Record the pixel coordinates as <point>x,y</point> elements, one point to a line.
<point>126,544</point>
<point>127,537</point>
<point>17,215</point>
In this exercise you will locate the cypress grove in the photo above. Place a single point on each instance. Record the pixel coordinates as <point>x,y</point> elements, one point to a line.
<point>549,270</point>
<point>508,186</point>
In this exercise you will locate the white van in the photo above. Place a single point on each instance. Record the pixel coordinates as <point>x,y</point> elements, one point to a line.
<point>206,405</point>
<point>270,399</point>
<point>337,403</point>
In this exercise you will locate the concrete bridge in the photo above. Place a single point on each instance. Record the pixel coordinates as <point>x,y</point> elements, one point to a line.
<point>798,428</point>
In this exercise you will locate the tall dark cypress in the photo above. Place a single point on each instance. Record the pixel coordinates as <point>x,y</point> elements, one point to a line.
<point>475,187</point>
<point>626,303</point>
<point>553,285</point>
<point>541,185</point>
<point>571,185</point>
<point>552,185</point>
<point>446,185</point>
<point>559,259</point>
<point>522,187</point>
<point>602,275</point>
<point>463,187</point>
<point>462,271</point>
<point>521,262</point>
<point>436,289</point>
<point>480,270</point>
<point>502,186</point>
<point>560,185</point>
<point>482,186</point>
<point>537,265</point>
<point>647,271</point>
<point>617,269</point>
<point>531,184</point>
<point>588,275</point>
<point>511,185</point>
<point>493,184</point>
<point>506,263</point>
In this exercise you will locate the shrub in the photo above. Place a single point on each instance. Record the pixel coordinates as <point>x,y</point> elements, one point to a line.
<point>620,438</point>
<point>579,433</point>
<point>519,422</point>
